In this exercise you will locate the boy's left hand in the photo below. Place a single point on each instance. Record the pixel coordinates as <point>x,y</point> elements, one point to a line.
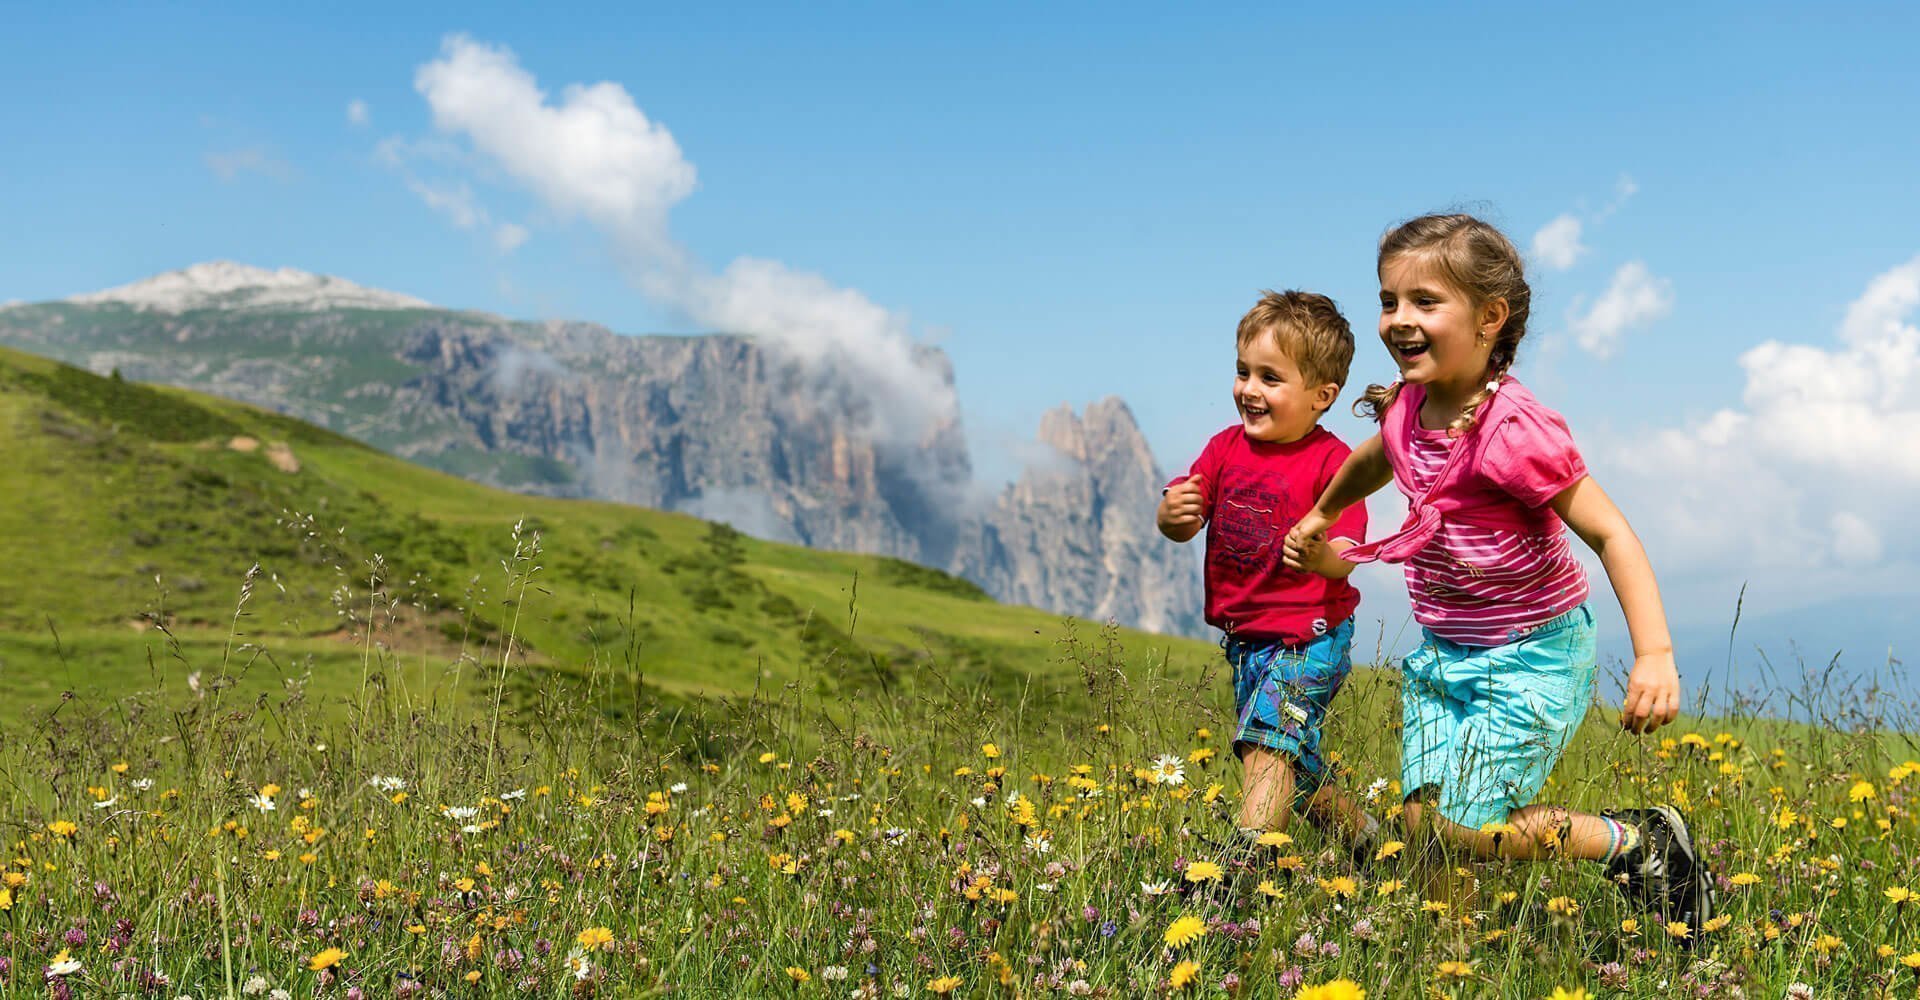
<point>1304,552</point>
<point>1653,693</point>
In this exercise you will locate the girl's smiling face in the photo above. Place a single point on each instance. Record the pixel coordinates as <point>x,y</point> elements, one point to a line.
<point>1436,334</point>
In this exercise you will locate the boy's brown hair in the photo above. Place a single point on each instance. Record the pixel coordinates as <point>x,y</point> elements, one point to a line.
<point>1308,328</point>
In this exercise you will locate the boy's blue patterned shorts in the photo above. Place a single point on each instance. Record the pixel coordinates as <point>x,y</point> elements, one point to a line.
<point>1281,694</point>
<point>1484,725</point>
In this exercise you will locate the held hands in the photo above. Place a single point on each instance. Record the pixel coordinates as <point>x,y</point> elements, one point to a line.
<point>1306,543</point>
<point>1184,508</point>
<point>1653,693</point>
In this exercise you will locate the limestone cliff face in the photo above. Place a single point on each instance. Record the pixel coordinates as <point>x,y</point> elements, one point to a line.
<point>717,426</point>
<point>1079,531</point>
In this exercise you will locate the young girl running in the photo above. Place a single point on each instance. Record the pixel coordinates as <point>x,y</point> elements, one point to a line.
<point>1507,669</point>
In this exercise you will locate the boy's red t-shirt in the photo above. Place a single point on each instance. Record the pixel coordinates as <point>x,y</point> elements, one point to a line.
<point>1255,493</point>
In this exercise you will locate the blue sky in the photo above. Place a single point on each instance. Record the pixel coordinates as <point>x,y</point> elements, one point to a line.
<point>1081,201</point>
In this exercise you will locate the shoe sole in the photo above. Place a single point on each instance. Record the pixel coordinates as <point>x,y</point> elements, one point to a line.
<point>1701,886</point>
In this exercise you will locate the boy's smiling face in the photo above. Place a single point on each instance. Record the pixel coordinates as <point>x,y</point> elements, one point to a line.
<point>1276,404</point>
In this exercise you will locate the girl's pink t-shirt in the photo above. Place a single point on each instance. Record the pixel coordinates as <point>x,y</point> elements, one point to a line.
<point>1482,585</point>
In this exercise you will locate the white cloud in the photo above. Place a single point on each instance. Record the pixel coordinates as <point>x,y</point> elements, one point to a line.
<point>357,113</point>
<point>593,154</point>
<point>455,201</point>
<point>230,164</point>
<point>1636,297</point>
<point>508,236</point>
<point>1557,244</point>
<point>1807,487</point>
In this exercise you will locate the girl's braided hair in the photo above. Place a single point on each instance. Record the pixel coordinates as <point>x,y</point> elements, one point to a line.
<point>1480,262</point>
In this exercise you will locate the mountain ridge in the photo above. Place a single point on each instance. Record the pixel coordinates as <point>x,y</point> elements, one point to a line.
<point>720,426</point>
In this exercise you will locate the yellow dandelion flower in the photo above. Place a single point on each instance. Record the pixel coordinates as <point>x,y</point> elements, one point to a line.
<point>6,900</point>
<point>1898,894</point>
<point>1185,931</point>
<point>1827,944</point>
<point>1388,849</point>
<point>1268,889</point>
<point>1629,926</point>
<point>62,828</point>
<point>1183,974</point>
<point>1390,887</point>
<point>1861,791</point>
<point>798,975</point>
<point>943,985</point>
<point>1562,993</point>
<point>1454,970</point>
<point>989,750</point>
<point>1339,886</point>
<point>1563,906</point>
<point>1743,879</point>
<point>1717,923</point>
<point>1338,989</point>
<point>326,959</point>
<point>1274,838</point>
<point>1203,871</point>
<point>1911,960</point>
<point>769,757</point>
<point>1679,929</point>
<point>595,938</point>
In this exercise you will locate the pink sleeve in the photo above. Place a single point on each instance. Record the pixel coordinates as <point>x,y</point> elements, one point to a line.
<point>1531,455</point>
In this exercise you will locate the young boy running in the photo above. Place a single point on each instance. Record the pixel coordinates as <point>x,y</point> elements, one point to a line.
<point>1288,632</point>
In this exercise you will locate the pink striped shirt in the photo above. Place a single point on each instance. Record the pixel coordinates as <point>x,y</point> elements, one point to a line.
<point>1486,586</point>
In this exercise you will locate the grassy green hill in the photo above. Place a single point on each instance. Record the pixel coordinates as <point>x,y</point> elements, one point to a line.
<point>136,515</point>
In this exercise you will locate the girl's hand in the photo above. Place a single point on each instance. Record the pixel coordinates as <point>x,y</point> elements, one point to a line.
<point>1306,541</point>
<point>1653,693</point>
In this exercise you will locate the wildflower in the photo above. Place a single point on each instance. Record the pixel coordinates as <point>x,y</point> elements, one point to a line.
<point>1339,886</point>
<point>520,793</point>
<point>1203,871</point>
<point>106,803</point>
<point>1861,791</point>
<point>1339,989</point>
<point>1268,889</point>
<point>769,757</point>
<point>799,975</point>
<point>1185,931</point>
<point>1183,974</point>
<point>595,938</point>
<point>1563,906</point>
<point>6,900</point>
<point>254,986</point>
<point>989,750</point>
<point>63,964</point>
<point>1911,960</point>
<point>1039,843</point>
<point>62,828</point>
<point>1168,770</point>
<point>943,985</point>
<point>262,802</point>
<point>834,973</point>
<point>1898,894</point>
<point>1390,887</point>
<point>1717,923</point>
<point>1454,970</point>
<point>1388,849</point>
<point>142,784</point>
<point>1629,926</point>
<point>1562,993</point>
<point>326,959</point>
<point>1200,756</point>
<point>1744,879</point>
<point>1159,888</point>
<point>1679,929</point>
<point>1274,838</point>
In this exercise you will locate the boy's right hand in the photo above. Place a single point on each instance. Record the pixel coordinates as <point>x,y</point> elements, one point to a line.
<point>1184,507</point>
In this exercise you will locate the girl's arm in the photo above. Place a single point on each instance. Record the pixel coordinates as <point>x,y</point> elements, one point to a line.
<point>1653,686</point>
<point>1360,476</point>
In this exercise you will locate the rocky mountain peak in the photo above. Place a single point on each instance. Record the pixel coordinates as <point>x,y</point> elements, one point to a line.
<point>225,284</point>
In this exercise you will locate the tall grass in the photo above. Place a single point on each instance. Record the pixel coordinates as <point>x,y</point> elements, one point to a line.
<point>870,830</point>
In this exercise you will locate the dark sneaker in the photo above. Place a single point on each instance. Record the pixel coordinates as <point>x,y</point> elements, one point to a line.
<point>1664,874</point>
